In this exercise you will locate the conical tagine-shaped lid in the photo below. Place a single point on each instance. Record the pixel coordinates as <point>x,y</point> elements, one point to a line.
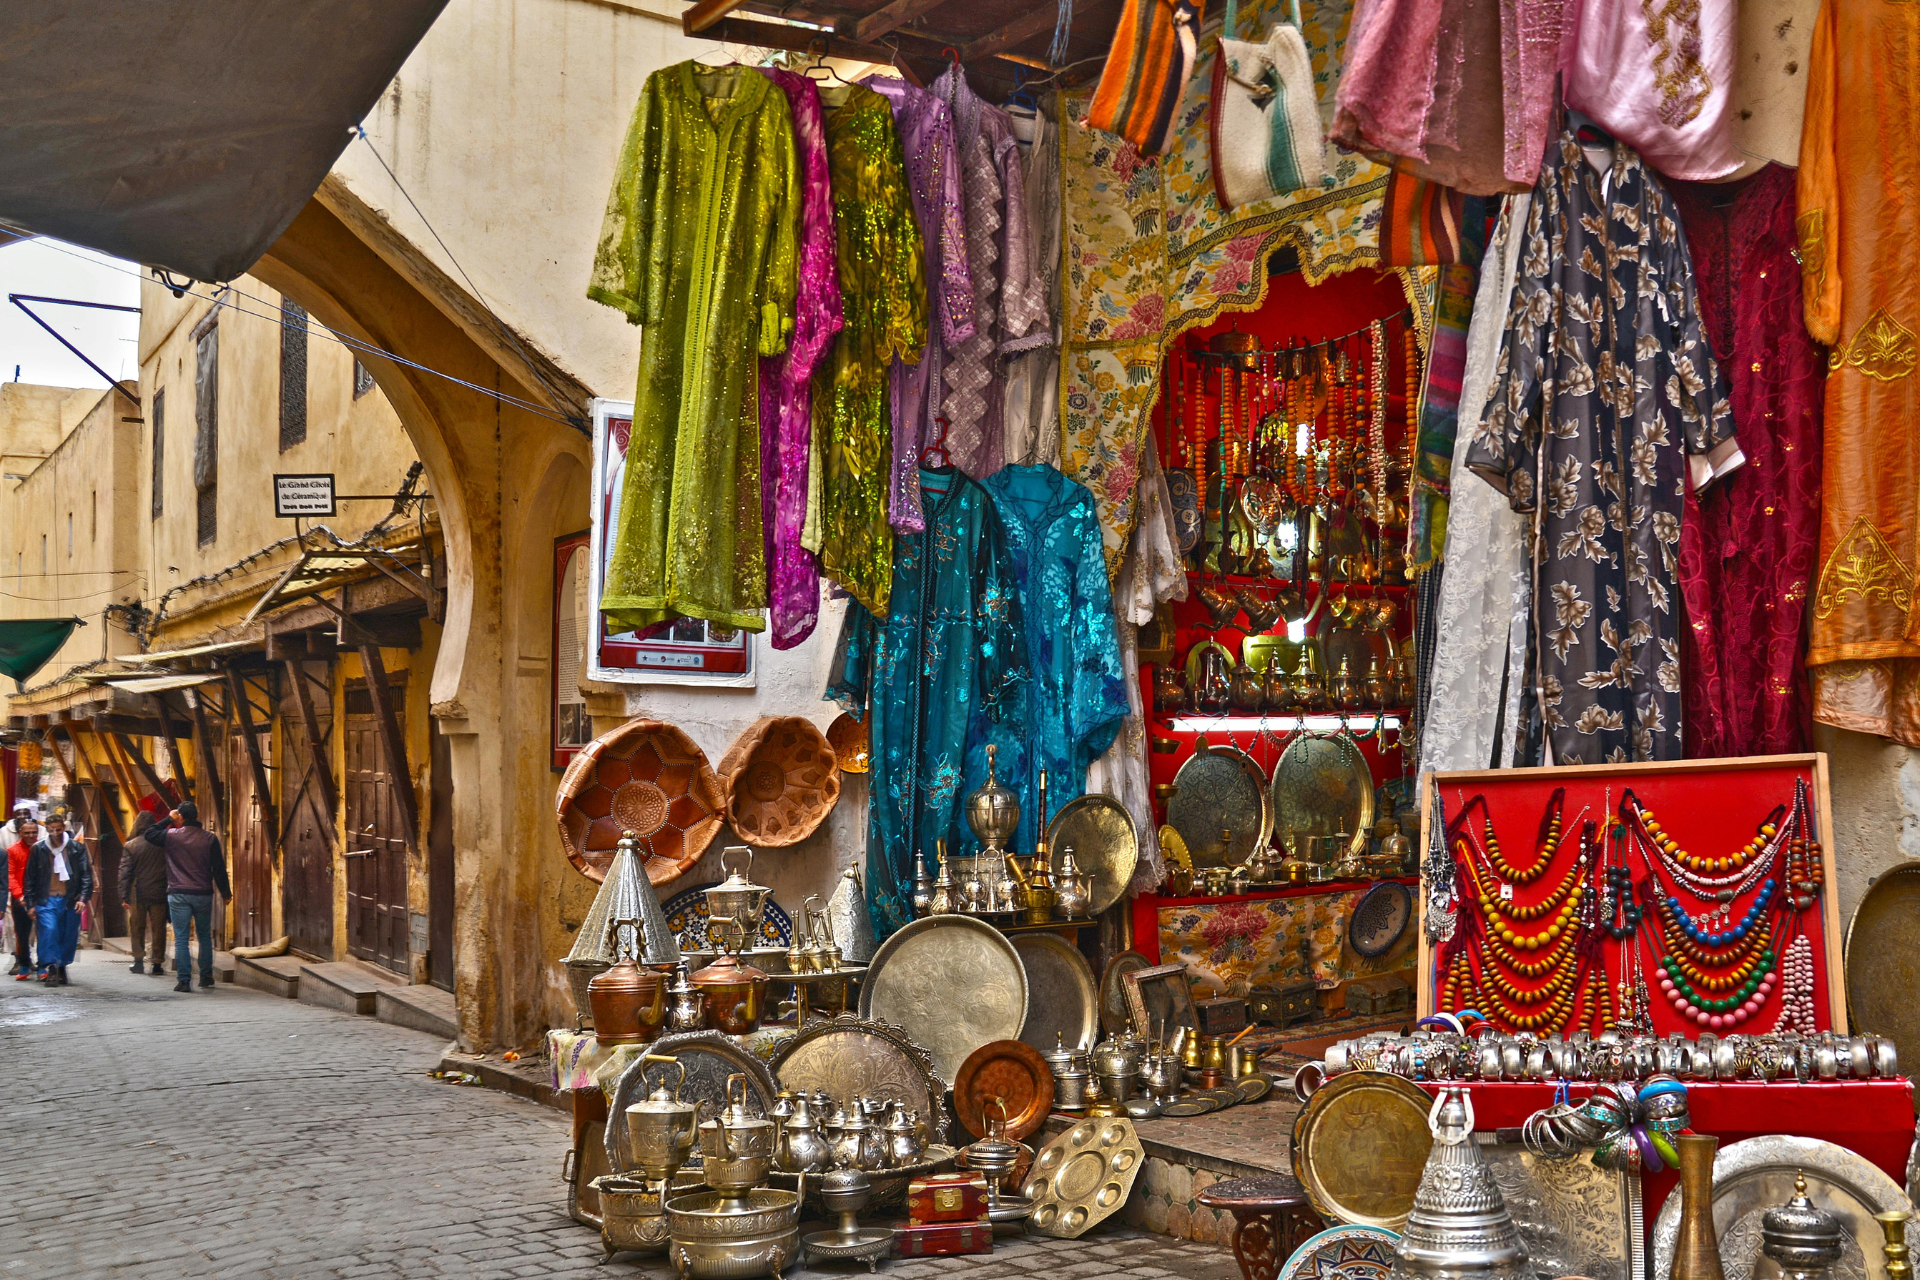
<point>626,894</point>
<point>1459,1228</point>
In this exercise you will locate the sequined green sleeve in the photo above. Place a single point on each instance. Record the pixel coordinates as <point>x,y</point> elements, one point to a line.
<point>620,277</point>
<point>783,258</point>
<point>906,335</point>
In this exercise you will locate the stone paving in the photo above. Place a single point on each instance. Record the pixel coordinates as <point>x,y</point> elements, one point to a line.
<point>231,1134</point>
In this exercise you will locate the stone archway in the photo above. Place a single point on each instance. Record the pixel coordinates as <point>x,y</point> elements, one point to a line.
<point>486,461</point>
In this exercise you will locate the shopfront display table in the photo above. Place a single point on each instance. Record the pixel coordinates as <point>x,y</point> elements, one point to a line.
<point>1271,1217</point>
<point>1873,1118</point>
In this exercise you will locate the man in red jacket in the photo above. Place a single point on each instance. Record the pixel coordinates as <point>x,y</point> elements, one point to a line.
<point>23,923</point>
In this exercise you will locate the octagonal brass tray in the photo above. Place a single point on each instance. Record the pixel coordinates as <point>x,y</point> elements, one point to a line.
<point>1105,843</point>
<point>1220,789</point>
<point>1321,787</point>
<point>1360,1145</point>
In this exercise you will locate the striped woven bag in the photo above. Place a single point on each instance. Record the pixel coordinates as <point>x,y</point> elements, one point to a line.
<point>1266,120</point>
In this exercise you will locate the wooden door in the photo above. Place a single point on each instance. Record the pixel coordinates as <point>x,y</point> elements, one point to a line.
<point>440,863</point>
<point>376,851</point>
<point>249,849</point>
<point>306,879</point>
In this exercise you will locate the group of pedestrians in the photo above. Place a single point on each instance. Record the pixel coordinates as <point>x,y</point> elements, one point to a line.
<point>168,873</point>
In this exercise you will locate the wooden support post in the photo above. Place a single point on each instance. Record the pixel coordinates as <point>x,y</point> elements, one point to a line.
<point>209,765</point>
<point>242,707</point>
<point>67,775</point>
<point>180,775</point>
<point>392,743</point>
<point>146,770</point>
<point>122,776</point>
<point>317,753</point>
<point>112,812</point>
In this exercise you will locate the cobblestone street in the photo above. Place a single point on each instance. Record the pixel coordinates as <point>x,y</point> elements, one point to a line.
<point>234,1134</point>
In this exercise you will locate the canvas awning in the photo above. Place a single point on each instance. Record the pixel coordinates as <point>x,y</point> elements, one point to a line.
<point>187,134</point>
<point>27,643</point>
<point>159,684</point>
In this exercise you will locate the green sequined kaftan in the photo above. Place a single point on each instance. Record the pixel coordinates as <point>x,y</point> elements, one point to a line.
<point>884,293</point>
<point>699,247</point>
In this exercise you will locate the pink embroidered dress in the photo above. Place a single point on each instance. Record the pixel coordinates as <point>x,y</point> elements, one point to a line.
<point>1659,77</point>
<point>786,398</point>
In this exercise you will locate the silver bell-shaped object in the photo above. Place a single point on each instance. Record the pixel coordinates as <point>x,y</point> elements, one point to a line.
<point>1459,1227</point>
<point>1801,1238</point>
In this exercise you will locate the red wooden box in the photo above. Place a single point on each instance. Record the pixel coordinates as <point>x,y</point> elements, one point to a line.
<point>947,1197</point>
<point>937,1239</point>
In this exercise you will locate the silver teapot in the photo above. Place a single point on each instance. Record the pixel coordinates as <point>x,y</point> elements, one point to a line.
<point>903,1145</point>
<point>1071,893</point>
<point>803,1149</point>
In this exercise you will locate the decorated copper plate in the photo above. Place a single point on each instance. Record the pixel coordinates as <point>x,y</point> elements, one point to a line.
<point>1756,1175</point>
<point>780,779</point>
<point>1062,1004</point>
<point>853,1056</point>
<point>647,777</point>
<point>848,738</point>
<point>1105,844</point>
<point>1219,806</point>
<point>1083,1176</point>
<point>1011,1072</point>
<point>1321,787</point>
<point>709,1058</point>
<point>1883,961</point>
<point>1343,1253</point>
<point>952,983</point>
<point>1360,1145</point>
<point>1114,1014</point>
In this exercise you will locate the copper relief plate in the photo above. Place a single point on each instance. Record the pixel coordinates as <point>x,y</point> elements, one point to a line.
<point>1007,1073</point>
<point>951,983</point>
<point>1220,790</point>
<point>1105,845</point>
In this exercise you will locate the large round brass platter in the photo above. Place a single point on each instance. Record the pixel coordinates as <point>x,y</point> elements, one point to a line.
<point>849,1056</point>
<point>1105,844</point>
<point>1062,1005</point>
<point>1221,789</point>
<point>1321,787</point>
<point>1883,961</point>
<point>1360,1145</point>
<point>952,983</point>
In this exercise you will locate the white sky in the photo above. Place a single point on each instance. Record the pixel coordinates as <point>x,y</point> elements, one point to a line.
<point>55,269</point>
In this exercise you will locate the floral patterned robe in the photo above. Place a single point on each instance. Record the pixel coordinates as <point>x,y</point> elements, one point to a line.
<point>1604,390</point>
<point>947,661</point>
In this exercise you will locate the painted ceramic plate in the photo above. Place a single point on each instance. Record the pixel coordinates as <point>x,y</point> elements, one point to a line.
<point>1343,1253</point>
<point>686,914</point>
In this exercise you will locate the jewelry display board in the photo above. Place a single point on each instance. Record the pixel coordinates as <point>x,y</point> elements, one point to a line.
<point>1699,899</point>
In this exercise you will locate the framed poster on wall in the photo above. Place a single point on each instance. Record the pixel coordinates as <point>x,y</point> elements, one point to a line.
<point>685,651</point>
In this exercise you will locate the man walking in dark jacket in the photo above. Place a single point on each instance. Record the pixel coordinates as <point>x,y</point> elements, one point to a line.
<point>59,879</point>
<point>143,887</point>
<point>196,866</point>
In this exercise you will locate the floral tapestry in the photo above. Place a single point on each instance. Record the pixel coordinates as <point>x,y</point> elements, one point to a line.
<point>1272,942</point>
<point>1149,254</point>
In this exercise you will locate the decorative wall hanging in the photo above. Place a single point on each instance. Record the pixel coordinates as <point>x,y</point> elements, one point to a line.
<point>781,779</point>
<point>647,777</point>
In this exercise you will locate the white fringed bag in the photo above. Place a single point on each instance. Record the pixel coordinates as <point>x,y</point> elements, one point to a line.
<point>1266,118</point>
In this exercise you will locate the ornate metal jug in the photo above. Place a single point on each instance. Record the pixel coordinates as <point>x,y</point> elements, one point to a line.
<point>1459,1226</point>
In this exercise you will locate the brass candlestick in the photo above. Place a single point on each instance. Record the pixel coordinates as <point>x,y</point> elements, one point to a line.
<point>1894,1225</point>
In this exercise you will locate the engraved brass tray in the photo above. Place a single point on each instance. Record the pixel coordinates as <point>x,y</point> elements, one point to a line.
<point>1114,1013</point>
<point>709,1058</point>
<point>1220,788</point>
<point>1359,1148</point>
<point>1061,999</point>
<point>1321,787</point>
<point>1106,846</point>
<point>1575,1219</point>
<point>951,983</point>
<point>1883,961</point>
<point>850,1055</point>
<point>1083,1176</point>
<point>1756,1175</point>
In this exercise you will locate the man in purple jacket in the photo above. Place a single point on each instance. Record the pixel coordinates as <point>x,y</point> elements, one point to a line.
<point>196,866</point>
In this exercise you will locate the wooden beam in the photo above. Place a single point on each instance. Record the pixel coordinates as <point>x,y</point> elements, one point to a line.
<point>897,14</point>
<point>147,771</point>
<point>1020,30</point>
<point>242,707</point>
<point>174,759</point>
<point>392,743</point>
<point>86,767</point>
<point>775,35</point>
<point>316,745</point>
<point>699,17</point>
<point>115,766</point>
<point>209,763</point>
<point>67,776</point>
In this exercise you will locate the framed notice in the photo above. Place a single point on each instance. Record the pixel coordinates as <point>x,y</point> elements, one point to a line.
<point>679,651</point>
<point>309,494</point>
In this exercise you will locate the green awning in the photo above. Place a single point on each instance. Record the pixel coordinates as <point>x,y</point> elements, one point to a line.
<point>27,643</point>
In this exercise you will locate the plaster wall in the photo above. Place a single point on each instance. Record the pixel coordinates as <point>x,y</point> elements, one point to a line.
<point>1876,808</point>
